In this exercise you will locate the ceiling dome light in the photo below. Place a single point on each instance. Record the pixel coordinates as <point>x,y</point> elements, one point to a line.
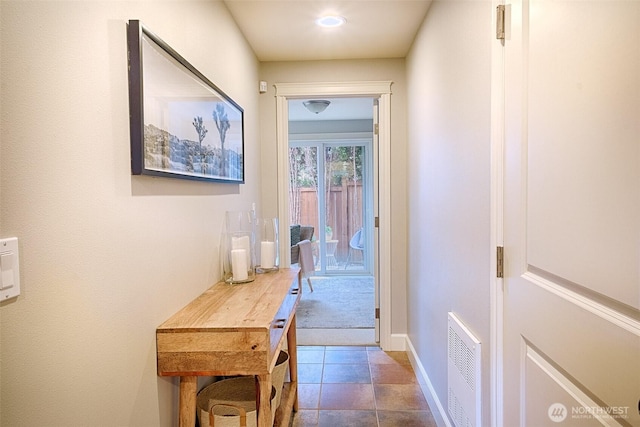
<point>330,21</point>
<point>316,105</point>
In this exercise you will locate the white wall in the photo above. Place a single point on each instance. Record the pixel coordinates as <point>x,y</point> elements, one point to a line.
<point>449,99</point>
<point>105,257</point>
<point>348,71</point>
<point>330,126</point>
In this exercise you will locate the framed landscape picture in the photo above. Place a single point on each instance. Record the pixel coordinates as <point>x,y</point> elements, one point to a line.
<point>181,124</point>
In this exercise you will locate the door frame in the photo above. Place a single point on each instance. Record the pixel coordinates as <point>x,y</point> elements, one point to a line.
<point>496,315</point>
<point>374,89</point>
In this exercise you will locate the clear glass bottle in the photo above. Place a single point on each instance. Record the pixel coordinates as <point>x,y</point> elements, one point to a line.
<point>239,251</point>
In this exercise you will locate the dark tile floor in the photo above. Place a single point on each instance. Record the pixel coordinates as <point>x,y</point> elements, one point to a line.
<point>358,386</point>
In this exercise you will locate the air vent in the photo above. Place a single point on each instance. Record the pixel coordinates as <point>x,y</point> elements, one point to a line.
<point>463,373</point>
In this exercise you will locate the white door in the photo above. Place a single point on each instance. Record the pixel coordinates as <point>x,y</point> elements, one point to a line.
<point>572,213</point>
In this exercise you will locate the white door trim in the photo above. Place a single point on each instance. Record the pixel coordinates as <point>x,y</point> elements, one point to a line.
<point>377,89</point>
<point>497,224</point>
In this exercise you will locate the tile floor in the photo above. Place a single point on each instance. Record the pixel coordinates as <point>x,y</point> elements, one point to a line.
<point>345,386</point>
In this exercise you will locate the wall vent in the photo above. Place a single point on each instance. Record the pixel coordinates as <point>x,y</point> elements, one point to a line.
<point>463,374</point>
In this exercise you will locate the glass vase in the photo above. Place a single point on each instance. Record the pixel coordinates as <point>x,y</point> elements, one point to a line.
<point>239,251</point>
<point>269,250</point>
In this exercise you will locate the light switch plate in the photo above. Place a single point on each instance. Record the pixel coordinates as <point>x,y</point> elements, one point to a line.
<point>9,269</point>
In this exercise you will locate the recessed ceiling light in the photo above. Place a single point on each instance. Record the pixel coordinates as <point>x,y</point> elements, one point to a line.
<point>330,21</point>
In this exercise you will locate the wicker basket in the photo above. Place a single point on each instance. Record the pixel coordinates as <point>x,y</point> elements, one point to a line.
<point>227,411</point>
<point>228,399</point>
<point>278,374</point>
<point>234,392</point>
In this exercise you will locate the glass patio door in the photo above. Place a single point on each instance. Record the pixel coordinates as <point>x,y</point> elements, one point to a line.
<point>330,189</point>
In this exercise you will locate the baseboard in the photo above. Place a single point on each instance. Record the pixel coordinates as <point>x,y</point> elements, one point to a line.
<point>398,342</point>
<point>437,409</point>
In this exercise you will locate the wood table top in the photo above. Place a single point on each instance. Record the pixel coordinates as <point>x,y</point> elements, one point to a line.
<point>247,306</point>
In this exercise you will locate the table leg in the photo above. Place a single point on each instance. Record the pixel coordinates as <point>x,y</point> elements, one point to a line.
<point>293,358</point>
<point>188,392</point>
<point>263,400</point>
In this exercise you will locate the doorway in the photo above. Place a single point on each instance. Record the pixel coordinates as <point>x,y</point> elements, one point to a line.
<point>331,192</point>
<point>381,237</point>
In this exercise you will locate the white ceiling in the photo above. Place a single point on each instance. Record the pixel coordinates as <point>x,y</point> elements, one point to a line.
<point>285,30</point>
<point>339,109</point>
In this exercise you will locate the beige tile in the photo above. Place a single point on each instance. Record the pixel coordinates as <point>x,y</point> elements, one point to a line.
<point>399,397</point>
<point>342,386</point>
<point>388,357</point>
<point>305,418</point>
<point>406,419</point>
<point>309,396</point>
<point>346,418</point>
<point>345,356</point>
<point>346,373</point>
<point>311,356</point>
<point>392,374</point>
<point>346,396</point>
<point>310,373</point>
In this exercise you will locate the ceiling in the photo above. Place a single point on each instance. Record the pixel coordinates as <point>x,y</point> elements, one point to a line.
<point>339,109</point>
<point>285,30</point>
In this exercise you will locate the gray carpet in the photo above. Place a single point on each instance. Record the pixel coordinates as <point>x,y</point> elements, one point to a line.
<point>337,302</point>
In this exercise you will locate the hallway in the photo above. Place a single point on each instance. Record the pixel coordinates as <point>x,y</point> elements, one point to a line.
<point>358,386</point>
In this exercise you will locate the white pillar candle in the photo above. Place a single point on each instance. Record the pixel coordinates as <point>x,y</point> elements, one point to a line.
<point>242,242</point>
<point>239,266</point>
<point>267,254</point>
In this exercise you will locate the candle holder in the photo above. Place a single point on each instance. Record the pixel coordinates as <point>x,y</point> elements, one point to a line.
<point>239,253</point>
<point>268,247</point>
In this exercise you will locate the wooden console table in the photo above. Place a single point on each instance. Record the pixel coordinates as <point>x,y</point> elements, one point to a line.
<point>234,330</point>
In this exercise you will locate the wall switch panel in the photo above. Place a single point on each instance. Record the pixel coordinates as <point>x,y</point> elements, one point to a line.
<point>9,269</point>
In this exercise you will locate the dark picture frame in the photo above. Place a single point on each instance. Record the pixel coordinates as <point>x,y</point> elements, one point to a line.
<point>181,124</point>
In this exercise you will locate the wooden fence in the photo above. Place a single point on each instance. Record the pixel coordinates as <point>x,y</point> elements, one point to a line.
<point>344,207</point>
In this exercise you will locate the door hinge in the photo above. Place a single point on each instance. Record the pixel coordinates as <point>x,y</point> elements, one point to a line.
<point>500,261</point>
<point>376,129</point>
<point>500,22</point>
<point>376,221</point>
<point>377,313</point>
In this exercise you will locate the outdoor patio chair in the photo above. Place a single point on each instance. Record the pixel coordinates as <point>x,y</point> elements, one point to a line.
<point>355,244</point>
<point>306,263</point>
